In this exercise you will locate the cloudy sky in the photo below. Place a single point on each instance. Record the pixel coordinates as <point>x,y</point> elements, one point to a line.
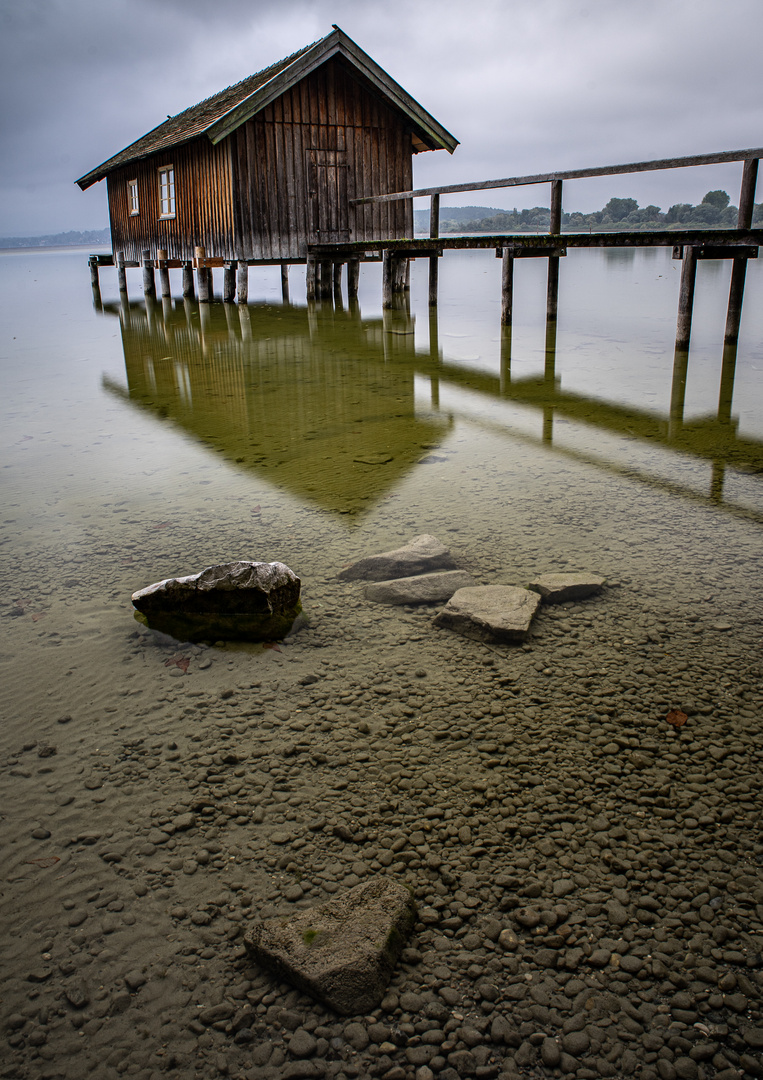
<point>525,85</point>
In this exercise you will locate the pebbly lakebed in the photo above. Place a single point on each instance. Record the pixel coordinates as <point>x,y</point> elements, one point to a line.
<point>589,879</point>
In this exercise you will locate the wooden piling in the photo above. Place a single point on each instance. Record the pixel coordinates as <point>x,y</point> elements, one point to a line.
<point>242,282</point>
<point>552,296</point>
<point>310,277</point>
<point>121,272</point>
<point>507,287</point>
<point>164,274</point>
<point>229,282</point>
<point>188,289</point>
<point>434,232</point>
<point>728,373</point>
<point>505,358</point>
<point>202,274</point>
<point>353,278</point>
<point>149,284</point>
<point>678,389</point>
<point>95,284</point>
<point>338,281</point>
<point>686,299</point>
<point>326,279</point>
<point>739,266</point>
<point>388,269</point>
<point>285,282</point>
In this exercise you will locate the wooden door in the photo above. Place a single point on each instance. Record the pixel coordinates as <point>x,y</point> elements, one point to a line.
<point>328,209</point>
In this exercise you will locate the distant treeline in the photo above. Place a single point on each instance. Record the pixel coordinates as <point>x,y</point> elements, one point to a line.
<point>714,212</point>
<point>91,237</point>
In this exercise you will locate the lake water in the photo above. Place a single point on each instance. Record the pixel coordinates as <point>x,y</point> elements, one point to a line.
<point>160,795</point>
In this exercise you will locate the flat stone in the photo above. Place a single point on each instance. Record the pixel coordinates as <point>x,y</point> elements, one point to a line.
<point>244,599</point>
<point>490,613</point>
<point>420,589</point>
<point>420,556</point>
<point>341,952</point>
<point>559,588</point>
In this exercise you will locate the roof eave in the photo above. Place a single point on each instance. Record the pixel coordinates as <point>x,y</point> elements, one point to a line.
<point>333,44</point>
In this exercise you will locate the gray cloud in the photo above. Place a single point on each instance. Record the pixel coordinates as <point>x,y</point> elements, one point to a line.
<point>526,86</point>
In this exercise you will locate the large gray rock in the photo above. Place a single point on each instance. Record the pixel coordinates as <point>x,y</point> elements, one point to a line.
<point>420,589</point>
<point>423,554</point>
<point>490,613</point>
<point>251,600</point>
<point>341,952</point>
<point>559,588</point>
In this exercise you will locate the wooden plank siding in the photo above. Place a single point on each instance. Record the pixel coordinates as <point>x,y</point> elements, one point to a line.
<point>203,203</point>
<point>300,160</point>
<point>282,180</point>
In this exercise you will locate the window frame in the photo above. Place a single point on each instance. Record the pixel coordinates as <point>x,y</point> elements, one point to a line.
<point>133,200</point>
<point>169,171</point>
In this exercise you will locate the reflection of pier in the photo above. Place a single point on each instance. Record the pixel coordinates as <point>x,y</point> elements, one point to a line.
<point>321,402</point>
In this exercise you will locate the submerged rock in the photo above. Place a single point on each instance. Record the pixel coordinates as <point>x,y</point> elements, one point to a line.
<point>490,613</point>
<point>420,556</point>
<point>249,600</point>
<point>420,589</point>
<point>341,952</point>
<point>559,588</point>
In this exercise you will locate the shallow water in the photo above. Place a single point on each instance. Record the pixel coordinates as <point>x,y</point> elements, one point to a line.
<point>147,442</point>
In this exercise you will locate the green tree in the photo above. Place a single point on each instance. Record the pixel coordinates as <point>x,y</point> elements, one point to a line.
<point>717,198</point>
<point>620,208</point>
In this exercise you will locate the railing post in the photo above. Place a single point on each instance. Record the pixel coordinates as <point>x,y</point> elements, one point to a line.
<point>555,227</point>
<point>556,207</point>
<point>434,261</point>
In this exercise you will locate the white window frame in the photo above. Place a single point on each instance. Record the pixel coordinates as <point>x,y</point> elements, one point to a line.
<point>132,198</point>
<point>166,191</point>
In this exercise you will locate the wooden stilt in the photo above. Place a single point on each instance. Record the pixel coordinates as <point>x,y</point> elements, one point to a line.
<point>388,269</point>
<point>434,267</point>
<point>242,282</point>
<point>326,285</point>
<point>552,296</point>
<point>678,389</point>
<point>434,337</point>
<point>164,274</point>
<point>686,299</point>
<point>338,281</point>
<point>736,295</point>
<point>188,289</point>
<point>505,358</point>
<point>310,277</point>
<point>211,280</point>
<point>728,373</point>
<point>96,285</point>
<point>121,272</point>
<point>149,284</point>
<point>507,287</point>
<point>399,274</point>
<point>407,276</point>
<point>353,278</point>
<point>229,282</point>
<point>202,274</point>
<point>285,282</point>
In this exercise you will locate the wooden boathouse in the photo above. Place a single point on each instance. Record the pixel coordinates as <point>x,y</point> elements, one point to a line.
<point>262,170</point>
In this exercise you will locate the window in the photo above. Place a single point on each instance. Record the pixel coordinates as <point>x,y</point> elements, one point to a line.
<point>132,196</point>
<point>167,191</point>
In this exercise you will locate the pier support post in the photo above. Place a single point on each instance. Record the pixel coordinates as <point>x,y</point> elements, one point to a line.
<point>164,274</point>
<point>95,283</point>
<point>552,296</point>
<point>203,275</point>
<point>326,285</point>
<point>434,232</point>
<point>310,276</point>
<point>188,289</point>
<point>353,278</point>
<point>229,282</point>
<point>686,299</point>
<point>434,266</point>
<point>338,281</point>
<point>507,287</point>
<point>121,272</point>
<point>285,282</point>
<point>242,282</point>
<point>388,270</point>
<point>149,284</point>
<point>728,374</point>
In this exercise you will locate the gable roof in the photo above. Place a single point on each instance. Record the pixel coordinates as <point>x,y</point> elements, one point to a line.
<point>219,115</point>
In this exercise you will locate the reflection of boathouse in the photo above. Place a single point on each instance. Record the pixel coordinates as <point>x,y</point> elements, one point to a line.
<point>268,166</point>
<point>310,400</point>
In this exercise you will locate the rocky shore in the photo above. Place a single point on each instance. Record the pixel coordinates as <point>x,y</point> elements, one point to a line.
<point>589,880</point>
